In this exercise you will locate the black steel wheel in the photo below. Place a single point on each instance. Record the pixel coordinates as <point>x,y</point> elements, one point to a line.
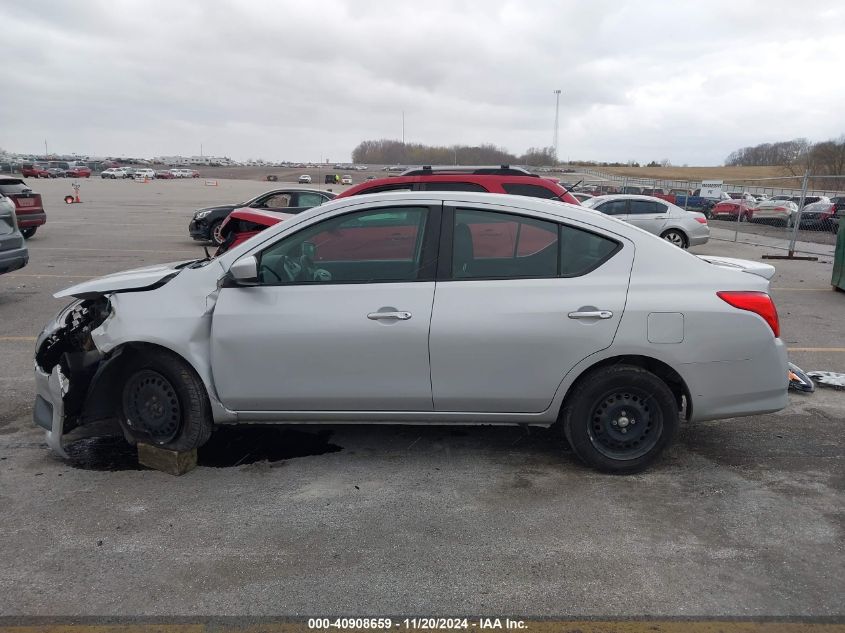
<point>163,401</point>
<point>624,424</point>
<point>620,418</point>
<point>151,406</point>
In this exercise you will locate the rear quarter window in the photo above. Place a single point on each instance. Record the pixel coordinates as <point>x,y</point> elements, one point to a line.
<point>583,251</point>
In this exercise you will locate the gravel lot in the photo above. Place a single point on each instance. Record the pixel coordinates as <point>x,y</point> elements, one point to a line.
<point>744,517</point>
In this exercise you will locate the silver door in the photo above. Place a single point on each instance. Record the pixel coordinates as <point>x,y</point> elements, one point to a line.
<point>504,345</point>
<point>650,216</point>
<point>351,337</point>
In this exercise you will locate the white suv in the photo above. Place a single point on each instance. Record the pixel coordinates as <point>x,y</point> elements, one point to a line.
<point>145,174</point>
<point>115,172</point>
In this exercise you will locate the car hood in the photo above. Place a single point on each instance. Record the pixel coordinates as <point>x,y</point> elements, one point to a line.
<point>221,207</point>
<point>767,271</point>
<point>125,281</point>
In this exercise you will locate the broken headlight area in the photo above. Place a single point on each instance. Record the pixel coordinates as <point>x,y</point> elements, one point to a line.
<point>68,345</point>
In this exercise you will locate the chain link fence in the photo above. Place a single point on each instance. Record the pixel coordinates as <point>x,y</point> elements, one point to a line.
<point>791,215</point>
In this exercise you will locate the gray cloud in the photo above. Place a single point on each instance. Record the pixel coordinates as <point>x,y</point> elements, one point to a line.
<point>283,80</point>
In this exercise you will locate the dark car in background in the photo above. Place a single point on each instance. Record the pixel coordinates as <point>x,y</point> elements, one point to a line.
<point>30,213</point>
<point>206,223</point>
<point>13,251</point>
<point>820,213</point>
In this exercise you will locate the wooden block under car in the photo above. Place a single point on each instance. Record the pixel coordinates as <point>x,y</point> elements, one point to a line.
<point>170,462</point>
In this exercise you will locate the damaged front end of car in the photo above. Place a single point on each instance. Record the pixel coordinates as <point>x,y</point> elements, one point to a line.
<point>67,364</point>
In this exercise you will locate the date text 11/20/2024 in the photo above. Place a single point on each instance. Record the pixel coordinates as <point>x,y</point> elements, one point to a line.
<point>415,623</point>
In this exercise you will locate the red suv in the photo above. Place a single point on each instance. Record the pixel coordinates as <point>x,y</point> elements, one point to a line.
<point>28,207</point>
<point>242,224</point>
<point>34,170</point>
<point>504,179</point>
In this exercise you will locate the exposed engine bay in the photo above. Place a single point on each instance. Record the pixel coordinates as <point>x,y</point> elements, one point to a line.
<point>70,348</point>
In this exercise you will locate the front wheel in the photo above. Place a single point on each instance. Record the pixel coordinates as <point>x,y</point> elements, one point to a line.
<point>619,419</point>
<point>164,403</point>
<point>675,237</point>
<point>215,232</point>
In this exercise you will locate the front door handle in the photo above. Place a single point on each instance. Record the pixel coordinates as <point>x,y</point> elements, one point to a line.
<point>393,316</point>
<point>591,314</point>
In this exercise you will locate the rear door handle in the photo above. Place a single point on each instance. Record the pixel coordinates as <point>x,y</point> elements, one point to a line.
<point>397,316</point>
<point>591,314</point>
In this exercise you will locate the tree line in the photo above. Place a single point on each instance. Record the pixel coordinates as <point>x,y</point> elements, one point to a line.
<point>391,152</point>
<point>797,155</point>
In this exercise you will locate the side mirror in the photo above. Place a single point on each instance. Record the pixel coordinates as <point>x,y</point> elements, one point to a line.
<point>244,272</point>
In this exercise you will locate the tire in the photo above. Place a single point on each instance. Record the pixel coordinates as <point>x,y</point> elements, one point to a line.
<point>741,217</point>
<point>790,222</point>
<point>28,232</point>
<point>163,402</point>
<point>673,236</point>
<point>605,398</point>
<point>214,233</point>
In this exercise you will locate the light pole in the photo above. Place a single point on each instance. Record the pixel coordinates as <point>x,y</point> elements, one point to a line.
<point>557,120</point>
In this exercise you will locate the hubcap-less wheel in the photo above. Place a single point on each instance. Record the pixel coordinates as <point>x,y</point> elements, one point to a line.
<point>151,406</point>
<point>675,238</point>
<point>625,425</point>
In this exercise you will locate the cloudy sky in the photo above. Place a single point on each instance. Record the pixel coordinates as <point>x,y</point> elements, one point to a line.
<point>687,81</point>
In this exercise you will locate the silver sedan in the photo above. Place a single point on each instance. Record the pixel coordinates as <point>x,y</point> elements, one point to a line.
<point>776,211</point>
<point>674,224</point>
<point>423,307</point>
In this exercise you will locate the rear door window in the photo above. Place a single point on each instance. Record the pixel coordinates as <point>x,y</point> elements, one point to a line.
<point>645,207</point>
<point>497,245</point>
<point>308,200</point>
<point>533,191</point>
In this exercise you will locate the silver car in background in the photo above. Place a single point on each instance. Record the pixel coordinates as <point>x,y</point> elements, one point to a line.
<point>423,307</point>
<point>664,219</point>
<point>776,211</point>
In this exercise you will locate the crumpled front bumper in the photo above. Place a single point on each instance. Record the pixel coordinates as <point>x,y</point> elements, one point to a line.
<point>49,409</point>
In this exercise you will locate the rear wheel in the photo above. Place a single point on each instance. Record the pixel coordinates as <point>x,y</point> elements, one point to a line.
<point>675,237</point>
<point>28,232</point>
<point>163,402</point>
<point>619,419</point>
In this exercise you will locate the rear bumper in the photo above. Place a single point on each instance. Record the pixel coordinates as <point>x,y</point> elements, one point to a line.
<point>13,258</point>
<point>729,389</point>
<point>27,220</point>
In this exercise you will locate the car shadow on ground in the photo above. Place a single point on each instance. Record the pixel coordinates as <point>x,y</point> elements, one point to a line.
<point>236,446</point>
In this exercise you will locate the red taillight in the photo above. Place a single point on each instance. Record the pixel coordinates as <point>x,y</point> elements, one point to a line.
<point>780,208</point>
<point>701,220</point>
<point>756,302</point>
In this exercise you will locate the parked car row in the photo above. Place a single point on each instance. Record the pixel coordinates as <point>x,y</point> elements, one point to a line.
<point>43,170</point>
<point>135,172</point>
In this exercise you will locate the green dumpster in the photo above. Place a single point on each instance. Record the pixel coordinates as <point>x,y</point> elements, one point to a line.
<point>838,278</point>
